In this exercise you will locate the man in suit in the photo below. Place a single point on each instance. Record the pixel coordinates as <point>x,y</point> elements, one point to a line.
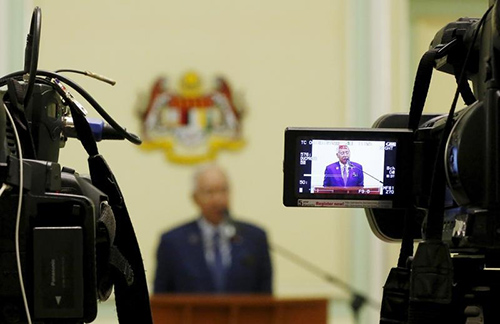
<point>343,173</point>
<point>214,253</point>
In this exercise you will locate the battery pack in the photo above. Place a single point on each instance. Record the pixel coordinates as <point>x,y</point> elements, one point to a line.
<point>58,272</point>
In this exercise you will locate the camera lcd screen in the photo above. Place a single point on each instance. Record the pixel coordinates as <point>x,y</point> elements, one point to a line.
<point>362,168</point>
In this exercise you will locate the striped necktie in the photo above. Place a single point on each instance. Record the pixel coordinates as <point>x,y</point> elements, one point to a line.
<point>218,269</point>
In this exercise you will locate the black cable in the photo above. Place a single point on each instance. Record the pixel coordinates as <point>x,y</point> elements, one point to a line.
<point>32,51</point>
<point>129,136</point>
<point>89,74</point>
<point>70,71</point>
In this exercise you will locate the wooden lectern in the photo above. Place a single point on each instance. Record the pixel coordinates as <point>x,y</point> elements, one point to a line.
<point>237,309</point>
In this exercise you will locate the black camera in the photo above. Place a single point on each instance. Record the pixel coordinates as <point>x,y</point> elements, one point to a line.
<point>398,161</point>
<point>65,239</point>
<point>441,185</point>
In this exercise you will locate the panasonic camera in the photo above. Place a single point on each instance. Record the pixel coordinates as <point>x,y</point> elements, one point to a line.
<point>65,239</point>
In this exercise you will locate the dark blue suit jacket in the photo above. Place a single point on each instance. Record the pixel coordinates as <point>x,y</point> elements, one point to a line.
<point>181,265</point>
<point>333,176</point>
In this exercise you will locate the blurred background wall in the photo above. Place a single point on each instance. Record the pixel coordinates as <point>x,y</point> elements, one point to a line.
<point>322,63</point>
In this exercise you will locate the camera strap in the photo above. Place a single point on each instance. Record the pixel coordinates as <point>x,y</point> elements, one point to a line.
<point>132,300</point>
<point>132,297</point>
<point>423,80</point>
<point>421,87</point>
<point>396,292</point>
<point>403,285</point>
<point>464,87</point>
<point>431,277</point>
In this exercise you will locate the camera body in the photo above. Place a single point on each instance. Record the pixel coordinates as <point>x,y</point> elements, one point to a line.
<point>448,165</point>
<point>470,161</point>
<point>63,246</point>
<point>400,176</point>
<point>62,249</point>
<point>57,244</point>
<point>392,164</point>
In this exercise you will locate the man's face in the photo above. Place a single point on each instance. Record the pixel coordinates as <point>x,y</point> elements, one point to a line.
<point>212,195</point>
<point>344,154</point>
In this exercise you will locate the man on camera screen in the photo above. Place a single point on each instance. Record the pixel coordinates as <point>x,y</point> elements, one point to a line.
<point>343,173</point>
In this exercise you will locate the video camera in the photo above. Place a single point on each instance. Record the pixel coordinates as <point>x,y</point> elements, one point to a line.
<point>65,239</point>
<point>434,178</point>
<point>398,156</point>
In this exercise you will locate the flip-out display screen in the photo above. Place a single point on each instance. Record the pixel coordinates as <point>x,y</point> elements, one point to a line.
<point>363,168</point>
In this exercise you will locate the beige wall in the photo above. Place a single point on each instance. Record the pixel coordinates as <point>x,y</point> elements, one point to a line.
<point>294,63</point>
<point>286,57</point>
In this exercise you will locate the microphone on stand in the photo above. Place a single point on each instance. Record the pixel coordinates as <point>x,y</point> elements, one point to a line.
<point>352,166</point>
<point>358,299</point>
<point>230,228</point>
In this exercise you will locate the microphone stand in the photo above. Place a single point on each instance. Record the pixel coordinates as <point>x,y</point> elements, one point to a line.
<point>354,167</point>
<point>358,299</point>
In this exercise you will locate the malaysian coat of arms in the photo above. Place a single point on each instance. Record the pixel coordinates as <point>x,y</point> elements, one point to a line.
<point>191,125</point>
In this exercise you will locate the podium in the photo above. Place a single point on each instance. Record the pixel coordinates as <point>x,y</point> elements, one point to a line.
<point>237,309</point>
